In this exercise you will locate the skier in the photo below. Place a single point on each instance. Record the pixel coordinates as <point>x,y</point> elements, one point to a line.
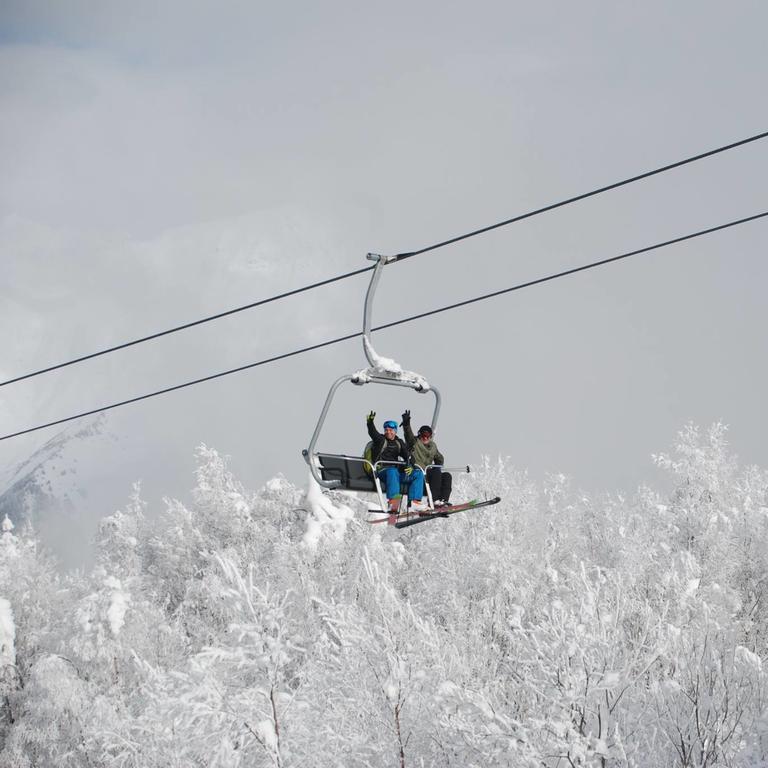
<point>425,452</point>
<point>389,447</point>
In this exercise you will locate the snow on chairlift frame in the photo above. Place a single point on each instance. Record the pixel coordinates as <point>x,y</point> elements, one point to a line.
<point>349,472</point>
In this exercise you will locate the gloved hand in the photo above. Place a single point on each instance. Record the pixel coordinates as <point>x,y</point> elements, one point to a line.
<point>371,416</point>
<point>406,418</point>
<point>408,471</point>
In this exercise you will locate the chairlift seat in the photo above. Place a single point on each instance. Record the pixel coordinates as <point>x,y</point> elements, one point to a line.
<point>349,471</point>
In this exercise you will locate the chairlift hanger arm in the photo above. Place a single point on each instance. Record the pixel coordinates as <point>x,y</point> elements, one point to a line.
<point>381,262</point>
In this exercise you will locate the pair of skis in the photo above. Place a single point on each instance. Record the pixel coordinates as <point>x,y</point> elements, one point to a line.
<point>405,520</point>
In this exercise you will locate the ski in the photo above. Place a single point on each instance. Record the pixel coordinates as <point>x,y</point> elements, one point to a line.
<point>392,517</point>
<point>445,512</point>
<point>403,521</point>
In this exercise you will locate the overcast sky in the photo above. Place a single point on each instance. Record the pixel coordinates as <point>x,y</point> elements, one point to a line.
<point>159,164</point>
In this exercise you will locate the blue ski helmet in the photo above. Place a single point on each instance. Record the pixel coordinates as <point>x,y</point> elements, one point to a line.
<point>390,425</point>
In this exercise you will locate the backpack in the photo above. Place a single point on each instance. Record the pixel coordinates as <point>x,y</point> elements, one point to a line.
<point>368,456</point>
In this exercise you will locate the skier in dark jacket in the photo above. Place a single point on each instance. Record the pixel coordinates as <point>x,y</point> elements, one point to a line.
<point>388,447</point>
<point>425,452</point>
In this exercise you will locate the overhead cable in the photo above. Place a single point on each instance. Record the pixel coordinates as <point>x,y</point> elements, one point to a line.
<point>584,196</point>
<point>519,286</point>
<point>398,257</point>
<point>187,325</point>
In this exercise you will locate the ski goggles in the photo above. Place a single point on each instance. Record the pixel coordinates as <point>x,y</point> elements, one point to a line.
<point>390,425</point>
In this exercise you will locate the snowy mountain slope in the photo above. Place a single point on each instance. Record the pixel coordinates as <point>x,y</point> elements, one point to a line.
<point>48,489</point>
<point>51,468</point>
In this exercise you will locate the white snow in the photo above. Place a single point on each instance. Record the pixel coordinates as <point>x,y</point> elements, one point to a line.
<point>448,688</point>
<point>748,659</point>
<point>387,368</point>
<point>323,515</point>
<point>266,732</point>
<point>691,586</point>
<point>384,364</point>
<point>118,605</point>
<point>7,634</point>
<point>276,484</point>
<point>7,538</point>
<point>600,747</point>
<point>515,617</point>
<point>609,680</point>
<point>391,691</point>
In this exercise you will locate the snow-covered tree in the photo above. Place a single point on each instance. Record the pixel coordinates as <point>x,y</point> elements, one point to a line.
<point>277,628</point>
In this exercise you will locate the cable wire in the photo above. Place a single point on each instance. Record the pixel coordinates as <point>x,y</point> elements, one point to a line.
<point>583,196</point>
<point>396,258</point>
<point>188,325</point>
<point>519,286</point>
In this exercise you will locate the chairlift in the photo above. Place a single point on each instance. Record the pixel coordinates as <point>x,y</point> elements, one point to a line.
<point>356,473</point>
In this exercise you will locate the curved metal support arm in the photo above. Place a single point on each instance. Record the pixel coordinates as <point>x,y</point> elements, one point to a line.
<point>309,452</point>
<point>381,261</point>
<point>382,368</point>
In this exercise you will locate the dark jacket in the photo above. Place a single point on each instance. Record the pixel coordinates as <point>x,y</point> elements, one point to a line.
<point>387,450</point>
<point>423,454</point>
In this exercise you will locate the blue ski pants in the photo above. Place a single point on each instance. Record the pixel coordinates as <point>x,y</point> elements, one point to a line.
<point>393,477</point>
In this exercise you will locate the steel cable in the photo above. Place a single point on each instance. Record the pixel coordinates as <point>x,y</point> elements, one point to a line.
<point>519,286</point>
<point>398,257</point>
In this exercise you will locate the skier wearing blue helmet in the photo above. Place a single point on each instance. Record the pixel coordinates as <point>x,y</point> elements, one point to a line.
<point>388,447</point>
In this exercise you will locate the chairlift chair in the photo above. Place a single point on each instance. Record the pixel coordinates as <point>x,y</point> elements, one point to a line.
<point>355,473</point>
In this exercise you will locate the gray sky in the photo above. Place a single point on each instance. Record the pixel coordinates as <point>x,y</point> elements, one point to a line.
<point>161,164</point>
